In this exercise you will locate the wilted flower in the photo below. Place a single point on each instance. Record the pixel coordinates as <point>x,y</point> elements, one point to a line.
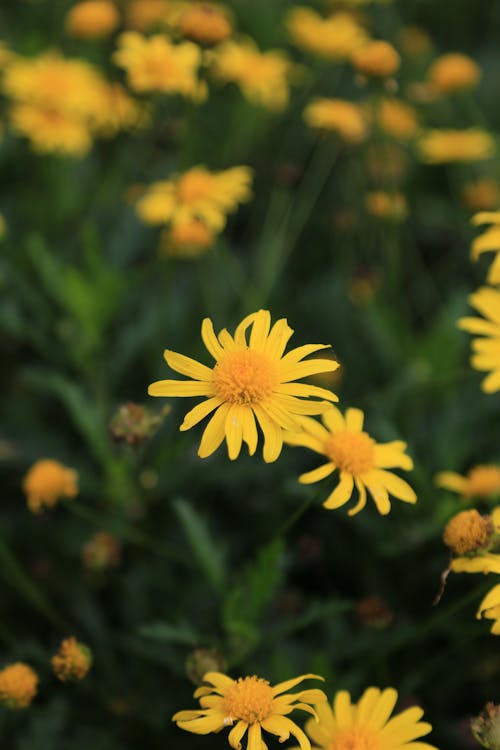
<point>486,727</point>
<point>453,72</point>
<point>101,552</point>
<point>134,424</point>
<point>340,116</point>
<point>334,38</point>
<point>47,482</point>
<point>73,661</point>
<point>203,660</point>
<point>442,146</point>
<point>18,685</point>
<point>91,19</point>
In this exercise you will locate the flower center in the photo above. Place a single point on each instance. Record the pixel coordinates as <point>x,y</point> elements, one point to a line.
<point>193,186</point>
<point>351,451</point>
<point>250,699</point>
<point>244,377</point>
<point>356,738</point>
<point>467,532</point>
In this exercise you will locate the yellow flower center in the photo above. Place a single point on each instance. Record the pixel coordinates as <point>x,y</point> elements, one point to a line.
<point>250,699</point>
<point>467,531</point>
<point>351,451</point>
<point>193,186</point>
<point>244,377</point>
<point>356,738</point>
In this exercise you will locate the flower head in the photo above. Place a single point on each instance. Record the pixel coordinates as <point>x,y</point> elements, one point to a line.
<point>188,239</point>
<point>333,38</point>
<point>367,725</point>
<point>92,19</point>
<point>486,356</point>
<point>453,72</point>
<point>480,481</point>
<point>250,704</point>
<point>359,459</point>
<point>397,119</point>
<point>490,608</point>
<point>486,727</point>
<point>377,59</point>
<point>143,15</point>
<point>342,117</point>
<point>18,685</point>
<point>442,146</point>
<point>72,661</point>
<point>488,241</point>
<point>47,482</point>
<point>468,531</point>
<point>205,23</point>
<point>250,380</point>
<point>482,194</point>
<point>387,205</point>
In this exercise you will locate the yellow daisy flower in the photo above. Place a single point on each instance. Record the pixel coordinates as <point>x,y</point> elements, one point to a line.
<point>51,131</point>
<point>443,146</point>
<point>490,609</point>
<point>453,72</point>
<point>397,119</point>
<point>367,724</point>
<point>360,460</point>
<point>486,356</point>
<point>250,704</point>
<point>333,38</point>
<point>249,380</point>
<point>92,19</point>
<point>340,116</point>
<point>488,241</point>
<point>481,481</point>
<point>378,59</point>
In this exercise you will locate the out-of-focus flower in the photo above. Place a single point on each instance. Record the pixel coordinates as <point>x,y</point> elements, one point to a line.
<point>196,195</point>
<point>387,205</point>
<point>481,481</point>
<point>188,239</point>
<point>92,19</point>
<point>144,15</point>
<point>442,146</point>
<point>363,287</point>
<point>263,77</point>
<point>453,72</point>
<point>414,41</point>
<point>340,116</point>
<point>3,227</point>
<point>205,23</point>
<point>488,241</point>
<point>397,119</point>
<point>154,64</point>
<point>51,131</point>
<point>203,660</point>
<point>482,194</point>
<point>486,727</point>
<point>101,552</point>
<point>250,704</point>
<point>387,163</point>
<point>18,685</point>
<point>47,482</point>
<point>467,532</point>
<point>374,612</point>
<point>250,380</point>
<point>486,350</point>
<point>72,661</point>
<point>333,38</point>
<point>378,59</point>
<point>360,460</point>
<point>118,111</point>
<point>490,609</point>
<point>134,424</point>
<point>367,724</point>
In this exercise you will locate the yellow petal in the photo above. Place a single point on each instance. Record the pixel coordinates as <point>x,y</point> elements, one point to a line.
<point>354,420</point>
<point>236,734</point>
<point>334,420</point>
<point>187,366</point>
<point>282,687</point>
<point>383,709</point>
<point>341,493</point>
<point>343,709</point>
<point>234,432</point>
<point>214,432</point>
<point>260,330</point>
<point>176,388</point>
<point>304,390</point>
<point>395,485</point>
<point>318,474</point>
<point>361,500</point>
<point>254,737</point>
<point>278,338</point>
<point>273,436</point>
<point>199,412</point>
<point>210,339</point>
<point>450,480</point>
<point>392,456</point>
<point>212,723</point>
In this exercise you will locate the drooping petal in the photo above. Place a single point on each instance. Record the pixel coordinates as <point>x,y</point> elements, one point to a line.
<point>249,428</point>
<point>361,500</point>
<point>199,412</point>
<point>234,432</point>
<point>450,480</point>
<point>378,492</point>
<point>236,734</point>
<point>241,329</point>
<point>395,485</point>
<point>174,388</point>
<point>214,432</point>
<point>205,725</point>
<point>318,474</point>
<point>254,737</point>
<point>341,493</point>
<point>187,366</point>
<point>283,687</point>
<point>273,435</point>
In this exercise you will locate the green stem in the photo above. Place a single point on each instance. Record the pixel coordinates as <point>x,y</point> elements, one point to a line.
<point>292,520</point>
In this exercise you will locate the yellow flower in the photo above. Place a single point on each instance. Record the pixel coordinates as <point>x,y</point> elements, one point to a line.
<point>205,23</point>
<point>367,725</point>
<point>250,704</point>
<point>51,131</point>
<point>249,380</point>
<point>360,460</point>
<point>488,562</point>
<point>453,72</point>
<point>467,532</point>
<point>486,350</point>
<point>92,19</point>
<point>378,59</point>
<point>387,205</point>
<point>482,194</point>
<point>397,119</point>
<point>18,685</point>
<point>47,482</point>
<point>189,239</point>
<point>414,41</point>
<point>490,608</point>
<point>345,118</point>
<point>118,111</point>
<point>334,38</point>
<point>488,241</point>
<point>442,146</point>
<point>144,15</point>
<point>154,64</point>
<point>480,481</point>
<point>197,194</point>
<point>263,77</point>
<point>72,662</point>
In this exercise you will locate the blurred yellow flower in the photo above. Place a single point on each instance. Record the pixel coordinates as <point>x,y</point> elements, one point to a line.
<point>92,19</point>
<point>51,130</point>
<point>488,241</point>
<point>263,77</point>
<point>453,72</point>
<point>367,725</point>
<point>250,704</point>
<point>482,194</point>
<point>468,531</point>
<point>197,194</point>
<point>188,239</point>
<point>360,461</point>
<point>72,661</point>
<point>334,38</point>
<point>340,116</point>
<point>387,205</point>
<point>47,482</point>
<point>414,41</point>
<point>442,146</point>
<point>144,15</point>
<point>18,685</point>
<point>397,119</point>
<point>490,609</point>
<point>486,350</point>
<point>480,482</point>
<point>154,64</point>
<point>250,379</point>
<point>3,227</point>
<point>205,23</point>
<point>377,59</point>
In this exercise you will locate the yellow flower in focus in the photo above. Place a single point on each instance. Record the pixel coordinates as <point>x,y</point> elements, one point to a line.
<point>72,661</point>
<point>378,59</point>
<point>47,482</point>
<point>154,64</point>
<point>91,19</point>
<point>490,609</point>
<point>467,532</point>
<point>442,146</point>
<point>143,15</point>
<point>486,350</point>
<point>488,241</point>
<point>482,194</point>
<point>397,119</point>
<point>453,72</point>
<point>51,131</point>
<point>189,239</point>
<point>360,461</point>
<point>263,77</point>
<point>250,704</point>
<point>387,205</point>
<point>205,23</point>
<point>18,685</point>
<point>479,482</point>
<point>367,725</point>
<point>333,38</point>
<point>197,194</point>
<point>345,118</point>
<point>250,380</point>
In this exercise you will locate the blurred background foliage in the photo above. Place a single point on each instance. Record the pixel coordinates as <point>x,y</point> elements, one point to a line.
<point>206,559</point>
